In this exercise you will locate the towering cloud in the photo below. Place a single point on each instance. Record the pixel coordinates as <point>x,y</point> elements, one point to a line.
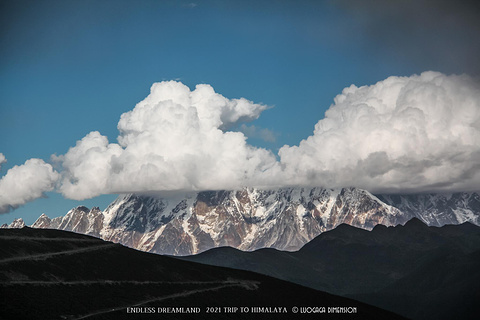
<point>25,183</point>
<point>403,134</point>
<point>175,139</point>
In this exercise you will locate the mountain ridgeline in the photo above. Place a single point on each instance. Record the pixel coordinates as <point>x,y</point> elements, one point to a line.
<point>417,271</point>
<point>251,219</point>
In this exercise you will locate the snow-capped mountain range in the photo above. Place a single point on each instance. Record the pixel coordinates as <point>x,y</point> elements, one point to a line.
<point>250,219</point>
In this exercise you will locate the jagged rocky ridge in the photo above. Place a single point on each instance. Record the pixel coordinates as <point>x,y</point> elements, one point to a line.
<point>250,219</point>
<point>16,224</point>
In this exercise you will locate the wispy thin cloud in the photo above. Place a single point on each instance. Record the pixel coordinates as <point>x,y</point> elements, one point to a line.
<point>190,5</point>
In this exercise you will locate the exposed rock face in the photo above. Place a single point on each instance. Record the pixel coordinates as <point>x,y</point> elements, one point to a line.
<point>438,209</point>
<point>80,220</point>
<point>247,219</point>
<point>43,222</point>
<point>250,219</point>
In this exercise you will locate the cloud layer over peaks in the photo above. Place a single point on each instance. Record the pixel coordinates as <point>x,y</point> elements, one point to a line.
<point>25,183</point>
<point>175,139</point>
<point>400,135</point>
<point>403,134</point>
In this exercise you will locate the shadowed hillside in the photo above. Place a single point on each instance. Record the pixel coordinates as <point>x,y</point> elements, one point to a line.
<point>51,274</point>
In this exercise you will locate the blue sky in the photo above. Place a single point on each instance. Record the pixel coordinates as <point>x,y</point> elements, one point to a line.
<point>71,67</point>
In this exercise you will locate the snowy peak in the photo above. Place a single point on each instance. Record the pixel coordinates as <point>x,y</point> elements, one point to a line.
<point>80,220</point>
<point>438,209</point>
<point>249,219</point>
<point>246,219</point>
<point>360,208</point>
<point>43,222</point>
<point>17,224</point>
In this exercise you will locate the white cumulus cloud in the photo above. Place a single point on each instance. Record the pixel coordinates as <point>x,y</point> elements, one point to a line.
<point>403,134</point>
<point>175,139</point>
<point>25,183</point>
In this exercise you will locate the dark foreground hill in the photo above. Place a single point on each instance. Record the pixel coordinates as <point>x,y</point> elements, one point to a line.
<point>414,270</point>
<point>52,274</point>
